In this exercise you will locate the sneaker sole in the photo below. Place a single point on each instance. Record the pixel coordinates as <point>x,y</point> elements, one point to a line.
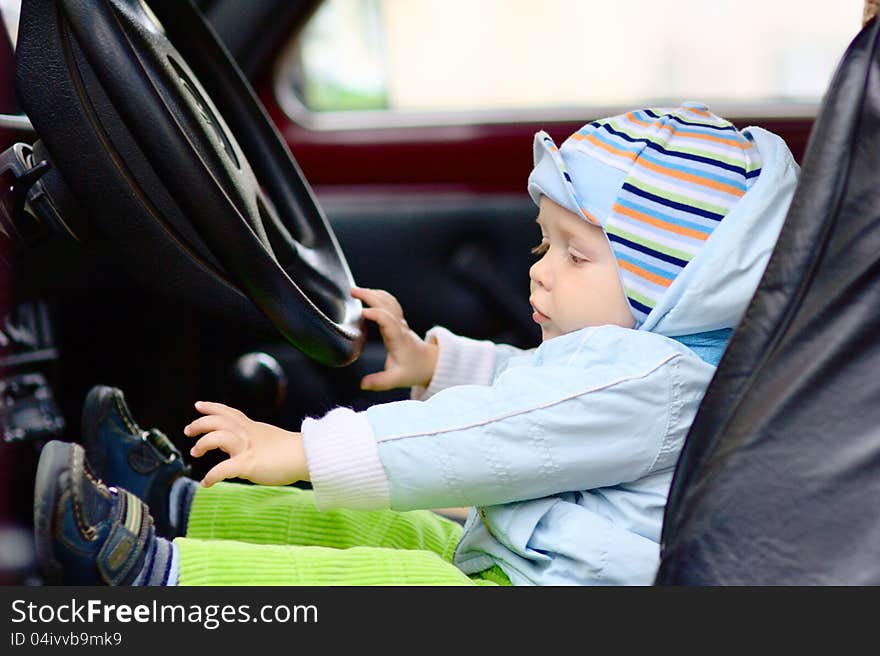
<point>54,459</point>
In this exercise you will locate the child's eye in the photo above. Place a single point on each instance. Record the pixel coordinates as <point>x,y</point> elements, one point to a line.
<point>541,248</point>
<point>575,257</point>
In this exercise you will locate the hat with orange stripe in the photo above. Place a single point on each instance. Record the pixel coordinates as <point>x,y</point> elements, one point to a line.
<point>658,181</point>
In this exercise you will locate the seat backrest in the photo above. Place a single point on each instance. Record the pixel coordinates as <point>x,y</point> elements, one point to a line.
<point>779,480</point>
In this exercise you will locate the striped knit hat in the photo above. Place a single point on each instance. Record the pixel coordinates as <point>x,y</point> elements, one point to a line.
<point>658,181</point>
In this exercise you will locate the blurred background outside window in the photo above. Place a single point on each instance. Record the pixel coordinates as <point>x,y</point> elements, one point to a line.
<point>9,10</point>
<point>461,55</point>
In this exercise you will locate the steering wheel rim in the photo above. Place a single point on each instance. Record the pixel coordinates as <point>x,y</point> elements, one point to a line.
<point>244,211</point>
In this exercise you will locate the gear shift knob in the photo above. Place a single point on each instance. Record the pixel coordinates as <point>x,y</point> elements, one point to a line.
<point>256,384</point>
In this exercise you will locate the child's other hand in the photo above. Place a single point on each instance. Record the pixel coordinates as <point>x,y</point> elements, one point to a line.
<point>258,452</point>
<point>411,360</point>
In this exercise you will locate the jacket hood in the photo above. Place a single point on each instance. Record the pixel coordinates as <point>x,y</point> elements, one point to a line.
<point>714,289</point>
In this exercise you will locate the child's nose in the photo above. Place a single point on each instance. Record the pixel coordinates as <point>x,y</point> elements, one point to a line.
<point>539,273</point>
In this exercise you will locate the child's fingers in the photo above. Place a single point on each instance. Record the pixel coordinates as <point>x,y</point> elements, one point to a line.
<point>210,407</point>
<point>207,424</point>
<point>226,442</point>
<point>378,298</point>
<point>392,329</point>
<point>378,382</point>
<point>361,293</point>
<point>226,469</point>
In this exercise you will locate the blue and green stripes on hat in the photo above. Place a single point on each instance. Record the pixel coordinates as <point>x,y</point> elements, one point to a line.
<point>658,181</point>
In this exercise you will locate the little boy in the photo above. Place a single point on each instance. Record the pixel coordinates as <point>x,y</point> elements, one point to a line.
<point>656,226</point>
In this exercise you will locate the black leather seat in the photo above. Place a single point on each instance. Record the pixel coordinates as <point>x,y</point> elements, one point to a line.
<point>779,481</point>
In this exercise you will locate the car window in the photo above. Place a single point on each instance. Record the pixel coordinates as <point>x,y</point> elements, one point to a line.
<point>450,56</point>
<point>9,12</point>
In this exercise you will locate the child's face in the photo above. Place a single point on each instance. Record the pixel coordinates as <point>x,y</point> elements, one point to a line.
<point>575,284</point>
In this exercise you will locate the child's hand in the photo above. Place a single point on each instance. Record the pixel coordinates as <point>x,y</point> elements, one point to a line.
<point>259,452</point>
<point>411,360</point>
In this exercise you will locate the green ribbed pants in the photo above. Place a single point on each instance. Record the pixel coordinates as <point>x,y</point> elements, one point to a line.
<point>259,535</point>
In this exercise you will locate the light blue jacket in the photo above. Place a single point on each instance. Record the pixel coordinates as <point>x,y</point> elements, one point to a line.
<point>566,451</point>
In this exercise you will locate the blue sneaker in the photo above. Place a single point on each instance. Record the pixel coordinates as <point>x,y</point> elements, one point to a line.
<point>86,533</point>
<point>144,462</point>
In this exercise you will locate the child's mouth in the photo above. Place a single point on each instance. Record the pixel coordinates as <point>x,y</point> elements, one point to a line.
<point>539,317</point>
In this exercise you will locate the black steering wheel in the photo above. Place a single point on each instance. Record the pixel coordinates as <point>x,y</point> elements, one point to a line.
<point>158,138</point>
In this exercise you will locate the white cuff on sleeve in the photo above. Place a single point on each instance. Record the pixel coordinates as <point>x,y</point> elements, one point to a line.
<point>460,361</point>
<point>344,464</point>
